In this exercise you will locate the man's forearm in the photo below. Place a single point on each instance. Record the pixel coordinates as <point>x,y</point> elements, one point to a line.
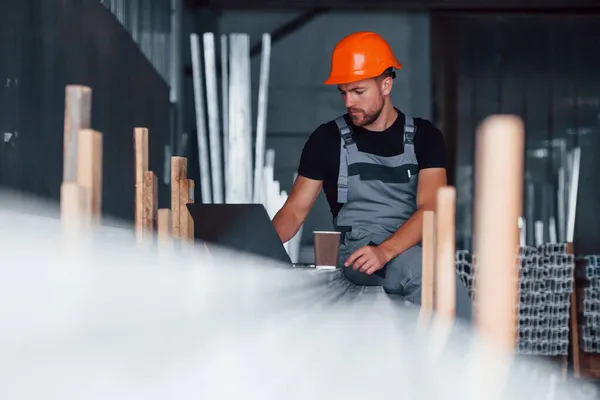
<point>286,224</point>
<point>408,235</point>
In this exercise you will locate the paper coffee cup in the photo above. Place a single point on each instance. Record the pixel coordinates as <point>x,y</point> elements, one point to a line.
<point>327,247</point>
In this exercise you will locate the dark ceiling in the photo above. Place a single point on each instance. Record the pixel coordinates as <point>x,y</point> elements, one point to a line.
<point>409,5</point>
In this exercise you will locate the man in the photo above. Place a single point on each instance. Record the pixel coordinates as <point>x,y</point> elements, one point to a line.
<point>379,169</point>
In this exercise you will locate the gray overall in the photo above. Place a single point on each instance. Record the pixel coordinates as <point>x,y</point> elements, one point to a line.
<point>378,195</point>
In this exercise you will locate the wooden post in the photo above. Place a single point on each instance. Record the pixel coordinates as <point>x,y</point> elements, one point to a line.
<point>74,203</point>
<point>140,138</point>
<point>427,276</point>
<point>191,199</point>
<point>164,222</point>
<point>89,170</point>
<point>73,198</point>
<point>150,205</point>
<point>498,204</point>
<point>184,224</point>
<point>78,111</point>
<point>178,180</point>
<point>445,272</point>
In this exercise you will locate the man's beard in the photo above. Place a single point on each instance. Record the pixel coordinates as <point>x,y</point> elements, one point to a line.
<point>363,118</point>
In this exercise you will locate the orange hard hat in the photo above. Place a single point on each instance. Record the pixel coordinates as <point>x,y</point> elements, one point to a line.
<point>358,56</point>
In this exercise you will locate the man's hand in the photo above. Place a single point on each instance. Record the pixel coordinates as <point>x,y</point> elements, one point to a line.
<point>368,259</point>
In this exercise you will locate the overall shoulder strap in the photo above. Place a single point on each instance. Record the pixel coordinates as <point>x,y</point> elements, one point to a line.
<point>410,129</point>
<point>346,140</point>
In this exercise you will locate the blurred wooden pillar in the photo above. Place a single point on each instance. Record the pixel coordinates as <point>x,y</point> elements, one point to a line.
<point>191,200</point>
<point>428,274</point>
<point>89,169</point>
<point>75,199</point>
<point>164,222</point>
<point>150,205</point>
<point>140,140</point>
<point>78,115</point>
<point>81,199</point>
<point>179,195</point>
<point>445,253</point>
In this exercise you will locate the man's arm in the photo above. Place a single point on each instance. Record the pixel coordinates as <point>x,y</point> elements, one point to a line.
<point>411,232</point>
<point>292,215</point>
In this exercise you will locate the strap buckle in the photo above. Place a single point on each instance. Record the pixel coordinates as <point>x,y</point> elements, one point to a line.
<point>409,130</point>
<point>347,136</point>
<point>345,131</point>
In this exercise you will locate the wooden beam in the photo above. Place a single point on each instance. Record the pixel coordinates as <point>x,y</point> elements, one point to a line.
<point>499,182</point>
<point>164,223</point>
<point>140,143</point>
<point>74,202</point>
<point>78,111</point>
<point>178,181</point>
<point>184,223</point>
<point>445,269</point>
<point>427,276</point>
<point>191,199</point>
<point>150,205</point>
<point>89,170</point>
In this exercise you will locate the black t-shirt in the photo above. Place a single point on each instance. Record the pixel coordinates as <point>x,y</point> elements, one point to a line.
<point>320,158</point>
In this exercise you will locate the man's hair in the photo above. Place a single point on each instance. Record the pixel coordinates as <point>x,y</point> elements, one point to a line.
<point>388,73</point>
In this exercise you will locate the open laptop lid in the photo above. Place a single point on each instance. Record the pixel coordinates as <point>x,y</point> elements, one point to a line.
<point>243,227</point>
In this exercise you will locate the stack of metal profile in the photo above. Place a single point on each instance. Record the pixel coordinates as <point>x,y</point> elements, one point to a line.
<point>545,286</point>
<point>591,306</point>
<point>235,165</point>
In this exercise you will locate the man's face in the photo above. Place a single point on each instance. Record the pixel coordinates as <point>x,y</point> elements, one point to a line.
<point>364,99</point>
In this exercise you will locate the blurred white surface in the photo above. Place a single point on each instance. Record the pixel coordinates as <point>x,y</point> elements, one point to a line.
<point>96,317</point>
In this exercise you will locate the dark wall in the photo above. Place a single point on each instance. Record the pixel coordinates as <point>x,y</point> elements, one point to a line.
<point>48,44</point>
<point>543,68</point>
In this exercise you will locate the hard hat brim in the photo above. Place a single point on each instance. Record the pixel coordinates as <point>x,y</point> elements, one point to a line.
<point>357,76</point>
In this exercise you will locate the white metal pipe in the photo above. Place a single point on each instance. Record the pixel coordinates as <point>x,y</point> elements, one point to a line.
<point>175,56</point>
<point>289,244</point>
<point>561,205</point>
<point>275,193</point>
<point>246,115</point>
<point>200,120</point>
<point>273,198</point>
<point>270,158</point>
<point>552,230</point>
<point>240,129</point>
<point>225,104</point>
<point>539,233</point>
<point>296,241</point>
<point>212,100</point>
<point>233,178</point>
<point>574,185</point>
<point>266,185</point>
<point>261,120</point>
<point>522,232</point>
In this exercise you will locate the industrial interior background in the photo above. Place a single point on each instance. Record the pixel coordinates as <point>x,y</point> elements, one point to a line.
<point>462,60</point>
